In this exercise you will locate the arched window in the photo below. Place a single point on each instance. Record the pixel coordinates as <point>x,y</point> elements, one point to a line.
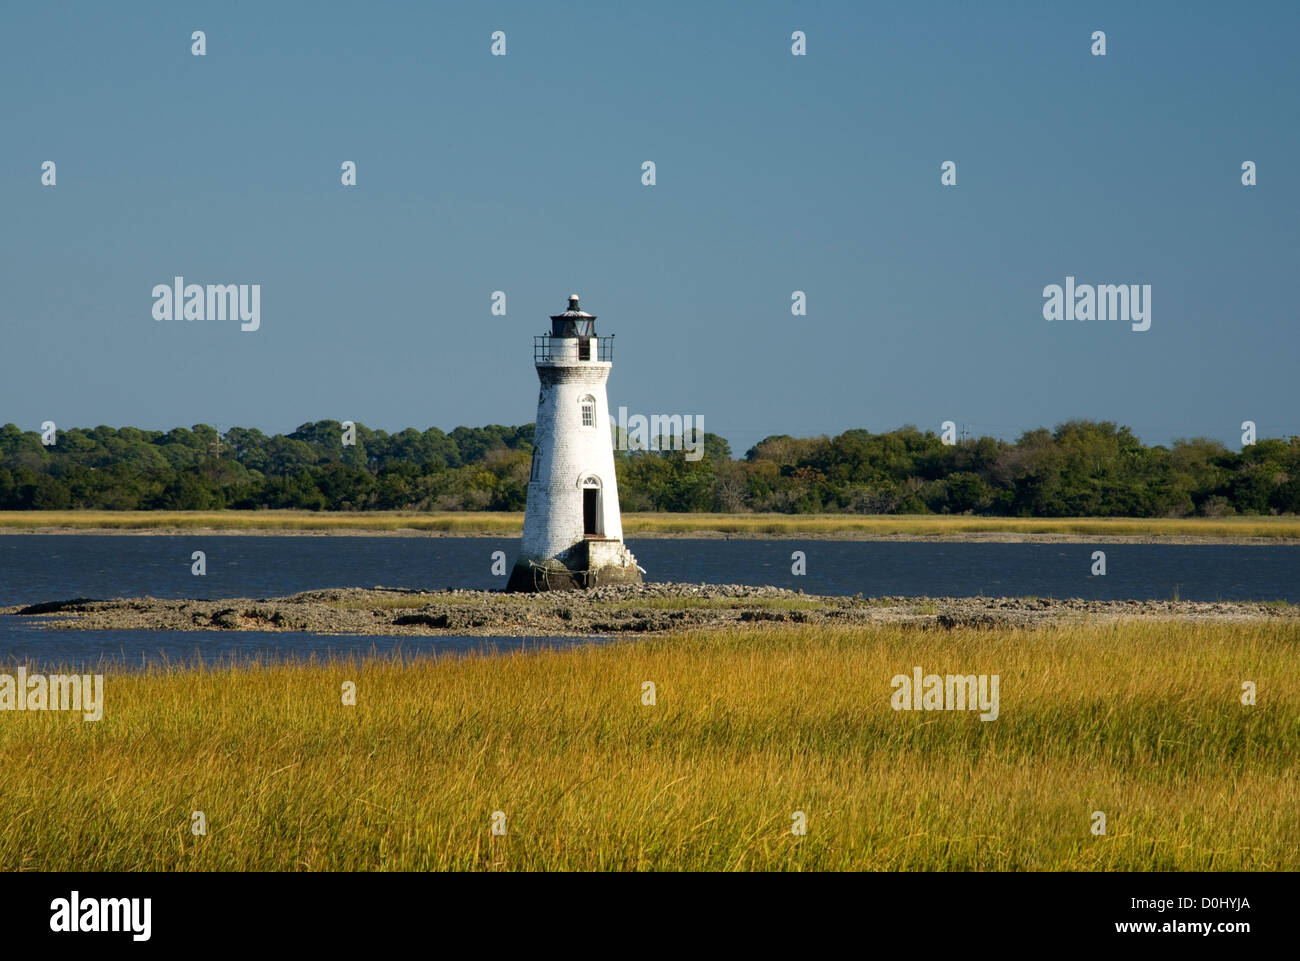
<point>588,411</point>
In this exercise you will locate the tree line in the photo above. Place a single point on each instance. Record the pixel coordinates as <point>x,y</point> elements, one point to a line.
<point>1079,469</point>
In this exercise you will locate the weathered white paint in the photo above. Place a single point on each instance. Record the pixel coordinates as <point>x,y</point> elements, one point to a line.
<point>568,457</point>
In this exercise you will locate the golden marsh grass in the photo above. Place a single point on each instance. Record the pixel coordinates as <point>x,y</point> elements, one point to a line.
<point>1140,720</point>
<point>510,524</point>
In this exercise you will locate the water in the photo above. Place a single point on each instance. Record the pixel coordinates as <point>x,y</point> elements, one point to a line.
<point>24,641</point>
<point>38,567</point>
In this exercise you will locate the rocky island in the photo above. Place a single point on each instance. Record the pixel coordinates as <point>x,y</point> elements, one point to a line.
<point>632,609</point>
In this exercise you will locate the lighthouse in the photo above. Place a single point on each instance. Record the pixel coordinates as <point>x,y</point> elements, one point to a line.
<point>573,536</point>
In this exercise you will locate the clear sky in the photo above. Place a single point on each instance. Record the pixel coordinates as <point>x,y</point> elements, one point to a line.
<point>775,173</point>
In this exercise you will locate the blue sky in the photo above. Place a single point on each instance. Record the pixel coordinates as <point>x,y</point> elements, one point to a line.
<point>775,173</point>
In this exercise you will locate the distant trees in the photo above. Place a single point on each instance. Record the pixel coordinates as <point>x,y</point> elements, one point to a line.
<point>1082,468</point>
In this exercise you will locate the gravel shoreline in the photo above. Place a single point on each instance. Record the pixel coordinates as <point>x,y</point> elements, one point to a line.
<point>641,609</point>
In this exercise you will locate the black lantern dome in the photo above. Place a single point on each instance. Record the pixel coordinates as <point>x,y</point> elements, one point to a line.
<point>574,322</point>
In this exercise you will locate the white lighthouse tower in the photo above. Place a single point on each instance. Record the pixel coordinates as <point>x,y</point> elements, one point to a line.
<point>573,536</point>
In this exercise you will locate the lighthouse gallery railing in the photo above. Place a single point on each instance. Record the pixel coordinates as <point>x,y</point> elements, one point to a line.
<point>559,350</point>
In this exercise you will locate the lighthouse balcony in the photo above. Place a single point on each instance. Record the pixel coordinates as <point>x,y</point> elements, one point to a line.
<point>548,349</point>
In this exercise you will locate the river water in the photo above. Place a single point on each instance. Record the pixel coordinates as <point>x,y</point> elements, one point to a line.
<point>39,567</point>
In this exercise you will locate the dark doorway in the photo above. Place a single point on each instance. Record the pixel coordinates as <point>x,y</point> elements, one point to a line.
<point>590,499</point>
<point>584,349</point>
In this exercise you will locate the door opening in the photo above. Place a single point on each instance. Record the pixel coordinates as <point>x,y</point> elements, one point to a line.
<point>590,501</point>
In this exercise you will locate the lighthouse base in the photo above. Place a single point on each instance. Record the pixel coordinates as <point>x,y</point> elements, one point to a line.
<point>593,562</point>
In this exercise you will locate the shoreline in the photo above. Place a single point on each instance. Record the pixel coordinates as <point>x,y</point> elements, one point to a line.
<point>648,609</point>
<point>955,537</point>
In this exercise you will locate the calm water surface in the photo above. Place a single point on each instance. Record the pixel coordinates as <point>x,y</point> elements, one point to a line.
<point>40,567</point>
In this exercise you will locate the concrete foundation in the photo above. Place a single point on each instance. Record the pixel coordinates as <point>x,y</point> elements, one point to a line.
<point>594,562</point>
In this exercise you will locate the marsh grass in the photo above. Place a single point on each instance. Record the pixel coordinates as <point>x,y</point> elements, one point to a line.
<point>1279,605</point>
<point>510,524</point>
<point>1140,720</point>
<point>455,522</point>
<point>939,525</point>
